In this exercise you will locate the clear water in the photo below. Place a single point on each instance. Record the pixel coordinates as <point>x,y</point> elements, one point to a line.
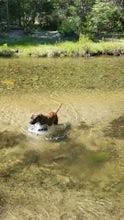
<point>90,157</point>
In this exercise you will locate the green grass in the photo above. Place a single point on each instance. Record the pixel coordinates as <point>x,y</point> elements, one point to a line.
<point>83,48</point>
<point>6,51</point>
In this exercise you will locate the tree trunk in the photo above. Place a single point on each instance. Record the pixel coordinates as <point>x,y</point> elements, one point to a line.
<point>7,14</point>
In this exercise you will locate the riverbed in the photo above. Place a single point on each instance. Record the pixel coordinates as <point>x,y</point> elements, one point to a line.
<point>80,176</point>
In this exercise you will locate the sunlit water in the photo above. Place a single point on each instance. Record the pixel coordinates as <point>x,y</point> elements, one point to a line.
<point>90,155</point>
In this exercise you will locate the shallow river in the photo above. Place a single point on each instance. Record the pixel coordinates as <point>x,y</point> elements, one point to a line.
<point>80,176</point>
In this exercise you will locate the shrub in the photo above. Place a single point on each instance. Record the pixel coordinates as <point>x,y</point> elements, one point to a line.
<point>104,17</point>
<point>5,51</point>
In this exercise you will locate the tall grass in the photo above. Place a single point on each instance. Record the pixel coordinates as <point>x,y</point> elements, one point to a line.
<point>6,51</point>
<point>83,47</point>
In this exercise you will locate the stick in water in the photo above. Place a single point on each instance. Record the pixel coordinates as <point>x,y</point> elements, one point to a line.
<point>58,108</point>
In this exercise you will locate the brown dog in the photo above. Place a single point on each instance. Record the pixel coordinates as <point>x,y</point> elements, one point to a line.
<point>47,119</point>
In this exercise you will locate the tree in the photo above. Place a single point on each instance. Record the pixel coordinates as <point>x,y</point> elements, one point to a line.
<point>104,17</point>
<point>68,16</point>
<point>4,13</point>
<point>72,14</point>
<point>70,22</point>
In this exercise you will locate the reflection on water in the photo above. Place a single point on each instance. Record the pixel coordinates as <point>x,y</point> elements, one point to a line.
<point>89,160</point>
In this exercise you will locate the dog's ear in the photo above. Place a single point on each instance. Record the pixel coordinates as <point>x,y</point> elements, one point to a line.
<point>35,118</point>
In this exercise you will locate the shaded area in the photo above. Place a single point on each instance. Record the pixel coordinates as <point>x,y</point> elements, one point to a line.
<point>19,38</point>
<point>2,202</point>
<point>10,139</point>
<point>84,126</point>
<point>116,128</point>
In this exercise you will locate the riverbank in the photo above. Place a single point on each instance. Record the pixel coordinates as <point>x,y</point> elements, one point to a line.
<point>51,45</point>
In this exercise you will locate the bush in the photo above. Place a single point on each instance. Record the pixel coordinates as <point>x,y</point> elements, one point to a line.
<point>70,22</point>
<point>104,17</point>
<point>5,51</point>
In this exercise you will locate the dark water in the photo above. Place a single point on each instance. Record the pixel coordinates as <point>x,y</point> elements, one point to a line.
<point>90,157</point>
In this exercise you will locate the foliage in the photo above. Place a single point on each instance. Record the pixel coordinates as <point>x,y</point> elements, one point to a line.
<point>83,39</point>
<point>6,51</point>
<point>70,25</point>
<point>84,47</point>
<point>104,17</point>
<point>69,17</point>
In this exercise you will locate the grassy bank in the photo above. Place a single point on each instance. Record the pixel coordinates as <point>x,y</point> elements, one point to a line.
<point>84,47</point>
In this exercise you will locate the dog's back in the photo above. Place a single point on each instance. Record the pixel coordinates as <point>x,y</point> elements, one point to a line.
<point>51,118</point>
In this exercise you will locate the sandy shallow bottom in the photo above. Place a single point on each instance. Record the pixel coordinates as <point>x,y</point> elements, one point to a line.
<point>80,177</point>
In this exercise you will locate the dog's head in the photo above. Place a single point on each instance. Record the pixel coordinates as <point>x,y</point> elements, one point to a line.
<point>36,118</point>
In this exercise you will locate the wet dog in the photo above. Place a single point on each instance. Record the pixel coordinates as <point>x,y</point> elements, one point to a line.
<point>45,119</point>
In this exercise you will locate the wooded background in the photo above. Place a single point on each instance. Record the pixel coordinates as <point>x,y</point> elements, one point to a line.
<point>90,17</point>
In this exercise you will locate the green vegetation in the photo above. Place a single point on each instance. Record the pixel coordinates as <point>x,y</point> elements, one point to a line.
<point>84,47</point>
<point>6,51</point>
<point>105,16</point>
<point>87,23</point>
<point>68,17</point>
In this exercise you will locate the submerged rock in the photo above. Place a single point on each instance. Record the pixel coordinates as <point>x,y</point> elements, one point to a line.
<point>116,128</point>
